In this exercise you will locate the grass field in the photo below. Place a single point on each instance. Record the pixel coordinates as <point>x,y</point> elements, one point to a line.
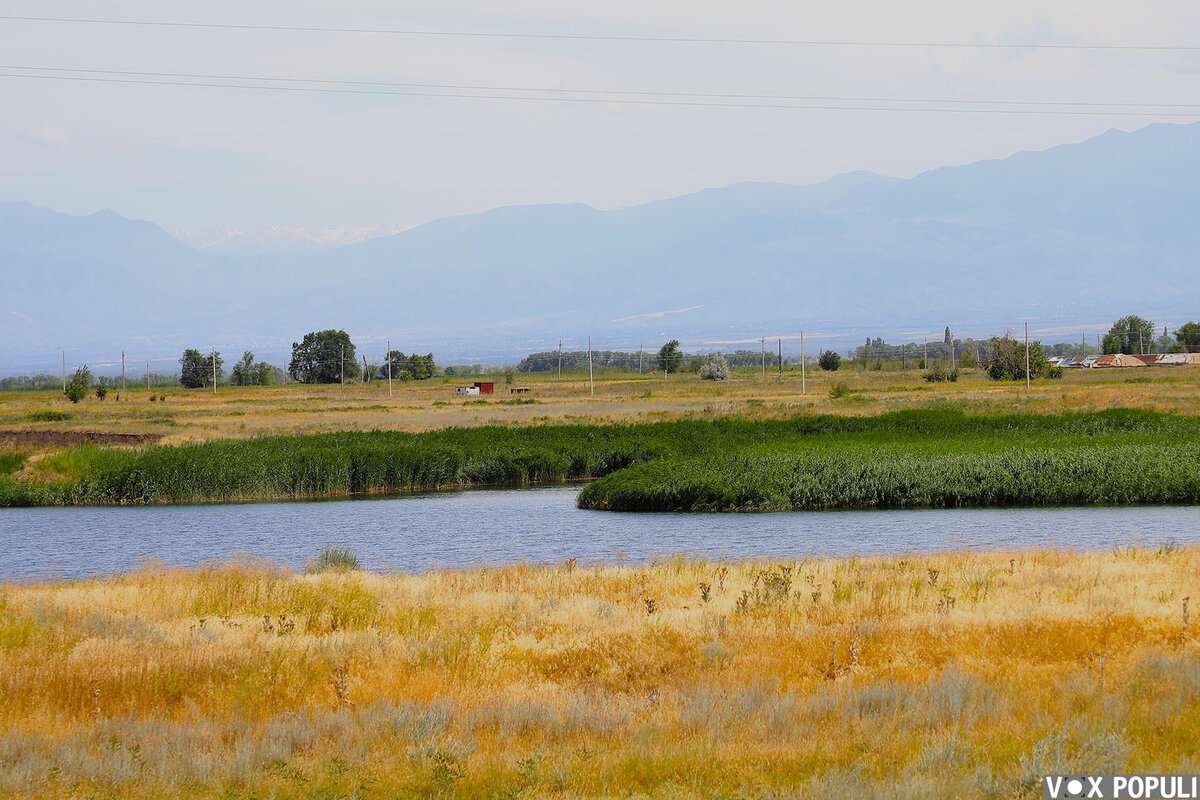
<point>197,415</point>
<point>919,457</point>
<point>967,675</point>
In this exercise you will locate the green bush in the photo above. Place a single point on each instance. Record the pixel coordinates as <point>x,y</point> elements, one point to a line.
<point>838,389</point>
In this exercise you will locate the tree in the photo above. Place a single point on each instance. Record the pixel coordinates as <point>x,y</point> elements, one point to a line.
<point>947,339</point>
<point>670,357</point>
<point>1008,361</point>
<point>323,357</point>
<point>102,392</point>
<point>830,361</point>
<point>1188,337</point>
<point>968,360</point>
<point>191,369</point>
<point>409,367</point>
<point>78,386</point>
<point>715,368</point>
<point>196,369</point>
<point>248,372</point>
<point>1129,335</point>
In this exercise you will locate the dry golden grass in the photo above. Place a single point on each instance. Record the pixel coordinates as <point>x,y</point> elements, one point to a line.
<point>415,406</point>
<point>955,674</point>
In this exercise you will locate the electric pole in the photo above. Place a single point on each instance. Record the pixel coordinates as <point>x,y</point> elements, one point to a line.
<point>1027,356</point>
<point>560,359</point>
<point>214,360</point>
<point>803,378</point>
<point>122,372</point>
<point>762,346</point>
<point>147,376</point>
<point>64,372</point>
<point>389,366</point>
<point>925,362</point>
<point>781,358</point>
<point>342,364</point>
<point>591,374</point>
<point>639,359</point>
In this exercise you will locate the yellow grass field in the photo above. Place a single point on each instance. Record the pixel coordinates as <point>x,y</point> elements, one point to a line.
<point>194,415</point>
<point>966,675</point>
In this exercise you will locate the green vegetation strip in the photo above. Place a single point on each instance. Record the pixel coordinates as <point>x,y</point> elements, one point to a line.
<point>925,458</point>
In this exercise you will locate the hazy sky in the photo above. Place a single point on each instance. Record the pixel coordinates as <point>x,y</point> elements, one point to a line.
<point>208,157</point>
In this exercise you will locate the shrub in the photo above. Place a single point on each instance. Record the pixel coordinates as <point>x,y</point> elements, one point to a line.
<point>939,374</point>
<point>839,390</point>
<point>101,392</point>
<point>335,559</point>
<point>77,387</point>
<point>715,368</point>
<point>830,361</point>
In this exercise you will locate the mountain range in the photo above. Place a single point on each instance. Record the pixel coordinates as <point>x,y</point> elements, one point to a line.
<point>1069,236</point>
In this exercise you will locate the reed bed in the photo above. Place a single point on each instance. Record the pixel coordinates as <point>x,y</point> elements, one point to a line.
<point>930,457</point>
<point>966,675</point>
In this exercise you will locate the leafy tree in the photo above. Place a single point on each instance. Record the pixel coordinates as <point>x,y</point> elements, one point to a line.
<point>670,357</point>
<point>323,357</point>
<point>78,386</point>
<point>191,369</point>
<point>715,368</point>
<point>1188,337</point>
<point>968,360</point>
<point>830,361</point>
<point>196,369</point>
<point>1008,361</point>
<point>947,338</point>
<point>409,367</point>
<point>1128,335</point>
<point>248,372</point>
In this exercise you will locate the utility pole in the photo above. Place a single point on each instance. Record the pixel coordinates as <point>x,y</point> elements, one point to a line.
<point>762,346</point>
<point>147,376</point>
<point>122,372</point>
<point>342,364</point>
<point>781,358</point>
<point>926,359</point>
<point>214,360</point>
<point>803,377</point>
<point>1027,356</point>
<point>389,366</point>
<point>591,374</point>
<point>639,359</point>
<point>560,359</point>
<point>64,371</point>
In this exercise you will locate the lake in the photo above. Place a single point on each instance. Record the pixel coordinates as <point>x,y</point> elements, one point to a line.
<point>502,526</point>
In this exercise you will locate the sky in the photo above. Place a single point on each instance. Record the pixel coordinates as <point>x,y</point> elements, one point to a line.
<point>190,157</point>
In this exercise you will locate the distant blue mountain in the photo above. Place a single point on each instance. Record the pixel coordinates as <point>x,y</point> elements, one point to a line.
<point>1074,233</point>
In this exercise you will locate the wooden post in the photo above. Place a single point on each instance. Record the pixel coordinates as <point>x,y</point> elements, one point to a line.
<point>803,379</point>
<point>1027,355</point>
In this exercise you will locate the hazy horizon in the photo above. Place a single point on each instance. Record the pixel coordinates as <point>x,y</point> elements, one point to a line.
<point>193,158</point>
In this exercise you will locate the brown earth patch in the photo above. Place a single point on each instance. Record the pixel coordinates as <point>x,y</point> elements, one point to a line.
<point>68,438</point>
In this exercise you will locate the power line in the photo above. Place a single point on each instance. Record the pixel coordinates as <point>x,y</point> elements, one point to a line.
<point>607,38</point>
<point>560,90</point>
<point>606,101</point>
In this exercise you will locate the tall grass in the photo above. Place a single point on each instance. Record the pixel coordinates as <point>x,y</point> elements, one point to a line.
<point>868,677</point>
<point>928,457</point>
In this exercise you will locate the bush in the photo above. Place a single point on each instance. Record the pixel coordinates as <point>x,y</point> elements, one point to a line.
<point>101,392</point>
<point>839,390</point>
<point>335,559</point>
<point>830,361</point>
<point>1008,361</point>
<point>715,368</point>
<point>939,374</point>
<point>78,386</point>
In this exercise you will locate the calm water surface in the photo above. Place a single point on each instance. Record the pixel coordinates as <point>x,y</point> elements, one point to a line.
<point>538,525</point>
